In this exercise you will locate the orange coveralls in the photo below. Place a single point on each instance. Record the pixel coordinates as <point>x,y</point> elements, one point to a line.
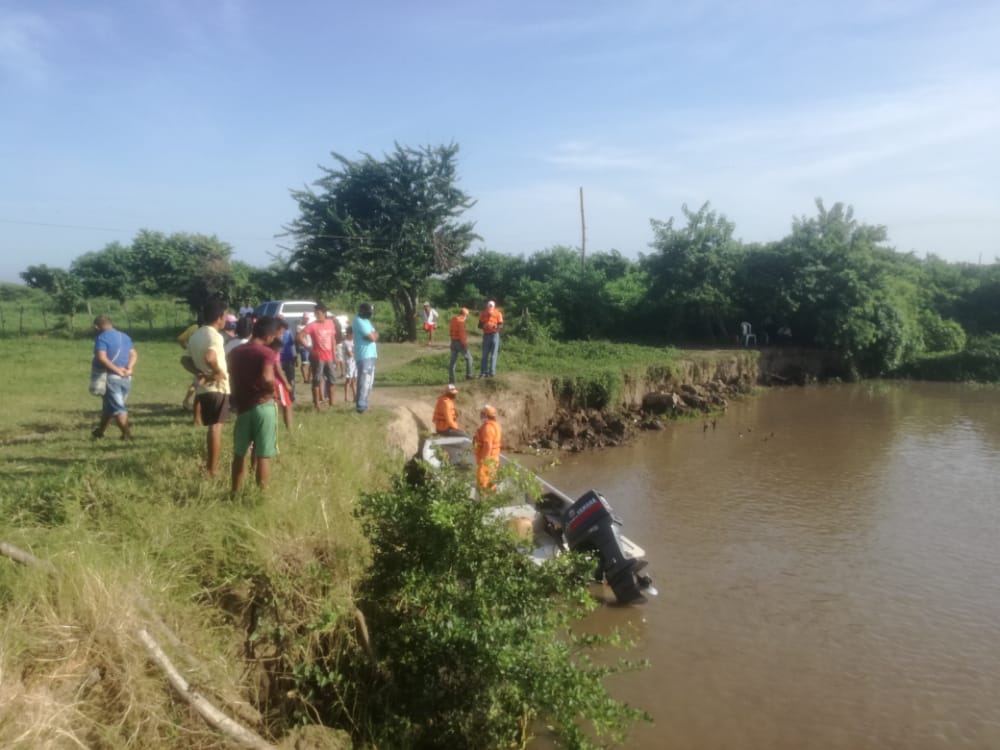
<point>487,447</point>
<point>445,414</point>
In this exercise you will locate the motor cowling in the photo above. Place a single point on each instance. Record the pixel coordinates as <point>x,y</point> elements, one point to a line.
<point>588,524</point>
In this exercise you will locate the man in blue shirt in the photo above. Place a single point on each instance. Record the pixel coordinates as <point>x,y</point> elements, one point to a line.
<point>365,353</point>
<point>114,354</point>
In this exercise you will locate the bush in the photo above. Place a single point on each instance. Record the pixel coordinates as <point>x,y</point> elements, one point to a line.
<point>471,639</point>
<point>978,362</point>
<point>941,335</point>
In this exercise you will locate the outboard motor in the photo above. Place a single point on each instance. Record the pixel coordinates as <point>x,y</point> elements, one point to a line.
<point>589,525</point>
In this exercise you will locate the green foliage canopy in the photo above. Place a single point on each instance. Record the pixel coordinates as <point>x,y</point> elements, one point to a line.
<point>381,227</point>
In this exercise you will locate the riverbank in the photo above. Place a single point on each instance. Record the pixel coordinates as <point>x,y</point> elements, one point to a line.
<point>540,412</point>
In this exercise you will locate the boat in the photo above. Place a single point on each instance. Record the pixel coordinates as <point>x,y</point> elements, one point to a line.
<point>557,523</point>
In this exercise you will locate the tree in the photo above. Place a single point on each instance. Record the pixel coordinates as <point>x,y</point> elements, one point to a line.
<point>382,227</point>
<point>108,272</point>
<point>853,295</point>
<point>691,273</point>
<point>63,288</point>
<point>193,266</point>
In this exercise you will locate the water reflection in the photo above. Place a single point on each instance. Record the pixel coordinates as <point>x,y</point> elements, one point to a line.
<point>827,563</point>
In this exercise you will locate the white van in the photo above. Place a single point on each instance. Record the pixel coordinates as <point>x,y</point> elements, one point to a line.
<point>290,310</point>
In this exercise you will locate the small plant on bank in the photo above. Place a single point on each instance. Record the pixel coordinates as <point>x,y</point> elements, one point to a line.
<point>470,640</point>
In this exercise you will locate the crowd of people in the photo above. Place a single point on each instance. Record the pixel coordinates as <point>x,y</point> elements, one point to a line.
<point>249,366</point>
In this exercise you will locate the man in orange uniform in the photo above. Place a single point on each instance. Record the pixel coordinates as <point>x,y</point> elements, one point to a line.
<point>490,321</point>
<point>446,416</point>
<point>459,345</point>
<point>487,447</point>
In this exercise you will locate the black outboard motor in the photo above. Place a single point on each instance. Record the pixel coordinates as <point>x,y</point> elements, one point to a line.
<point>588,524</point>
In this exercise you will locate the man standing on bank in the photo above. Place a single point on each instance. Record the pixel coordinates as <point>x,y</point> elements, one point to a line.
<point>459,345</point>
<point>206,356</point>
<point>490,321</point>
<point>252,371</point>
<point>114,353</point>
<point>322,333</point>
<point>365,354</point>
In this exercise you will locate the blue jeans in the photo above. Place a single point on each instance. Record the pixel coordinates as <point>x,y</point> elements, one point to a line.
<point>366,379</point>
<point>491,350</point>
<point>116,395</point>
<point>458,348</point>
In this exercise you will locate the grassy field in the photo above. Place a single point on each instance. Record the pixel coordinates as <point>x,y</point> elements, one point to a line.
<point>116,519</point>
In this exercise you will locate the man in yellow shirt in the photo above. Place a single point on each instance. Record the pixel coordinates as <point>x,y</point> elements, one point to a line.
<point>207,357</point>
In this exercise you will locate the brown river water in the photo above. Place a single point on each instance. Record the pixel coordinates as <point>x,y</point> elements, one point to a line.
<point>828,562</point>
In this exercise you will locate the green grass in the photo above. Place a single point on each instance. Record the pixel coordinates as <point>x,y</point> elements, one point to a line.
<point>119,517</point>
<point>584,374</point>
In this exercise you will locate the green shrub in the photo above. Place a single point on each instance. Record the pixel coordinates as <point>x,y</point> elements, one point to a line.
<point>941,335</point>
<point>978,362</point>
<point>470,639</point>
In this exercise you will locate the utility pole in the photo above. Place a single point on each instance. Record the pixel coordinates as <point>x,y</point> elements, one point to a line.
<point>583,235</point>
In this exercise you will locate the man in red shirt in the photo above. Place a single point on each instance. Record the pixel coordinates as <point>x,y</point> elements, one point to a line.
<point>322,354</point>
<point>251,378</point>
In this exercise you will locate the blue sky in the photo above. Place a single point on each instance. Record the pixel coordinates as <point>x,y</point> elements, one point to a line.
<point>201,115</point>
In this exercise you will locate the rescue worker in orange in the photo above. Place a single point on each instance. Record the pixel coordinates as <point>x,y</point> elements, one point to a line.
<point>446,415</point>
<point>486,444</point>
<point>459,345</point>
<point>490,322</point>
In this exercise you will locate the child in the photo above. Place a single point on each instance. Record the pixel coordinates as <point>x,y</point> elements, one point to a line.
<point>350,366</point>
<point>282,388</point>
<point>306,319</point>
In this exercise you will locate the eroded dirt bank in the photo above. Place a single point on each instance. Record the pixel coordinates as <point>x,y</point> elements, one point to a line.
<point>532,416</point>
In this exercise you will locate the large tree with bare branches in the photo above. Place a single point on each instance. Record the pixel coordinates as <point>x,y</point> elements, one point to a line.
<point>381,227</point>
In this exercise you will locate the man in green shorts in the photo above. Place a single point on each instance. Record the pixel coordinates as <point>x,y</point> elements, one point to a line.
<point>251,377</point>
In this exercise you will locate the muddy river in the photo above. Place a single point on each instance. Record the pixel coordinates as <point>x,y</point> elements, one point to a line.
<point>828,561</point>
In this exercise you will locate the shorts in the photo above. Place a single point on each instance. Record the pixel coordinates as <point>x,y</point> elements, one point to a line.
<point>281,395</point>
<point>350,369</point>
<point>321,369</point>
<point>257,427</point>
<point>113,401</point>
<point>304,355</point>
<point>214,407</point>
<point>429,327</point>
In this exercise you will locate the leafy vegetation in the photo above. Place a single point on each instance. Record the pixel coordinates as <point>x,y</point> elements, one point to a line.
<point>390,230</point>
<point>584,374</point>
<point>471,639</point>
<point>382,227</point>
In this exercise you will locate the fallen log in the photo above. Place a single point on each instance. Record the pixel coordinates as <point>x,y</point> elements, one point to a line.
<point>215,717</point>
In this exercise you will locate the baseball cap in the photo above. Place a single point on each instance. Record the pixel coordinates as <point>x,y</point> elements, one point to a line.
<point>490,411</point>
<point>491,303</point>
<point>451,388</point>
